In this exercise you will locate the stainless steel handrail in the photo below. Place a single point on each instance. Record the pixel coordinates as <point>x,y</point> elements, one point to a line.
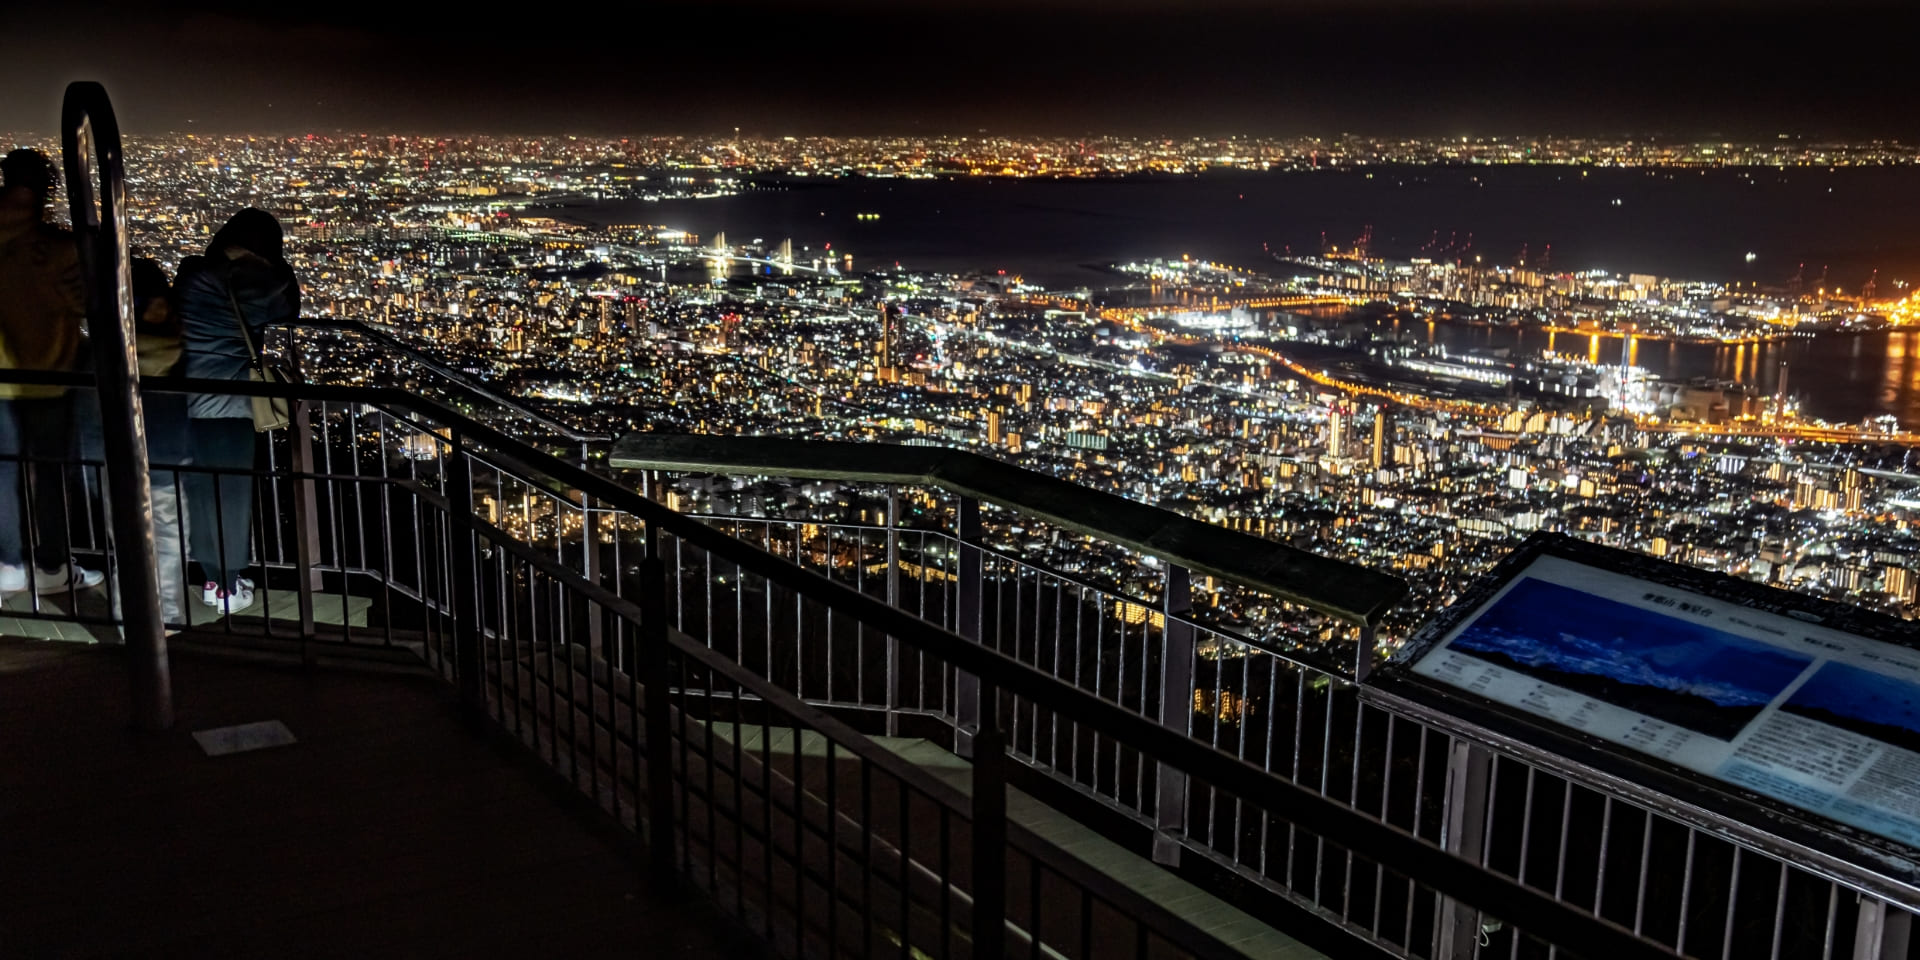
<point>90,144</point>
<point>1345,590</point>
<point>1406,853</point>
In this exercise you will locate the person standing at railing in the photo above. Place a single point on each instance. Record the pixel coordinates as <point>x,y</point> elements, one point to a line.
<point>157,341</point>
<point>226,300</point>
<point>42,309</point>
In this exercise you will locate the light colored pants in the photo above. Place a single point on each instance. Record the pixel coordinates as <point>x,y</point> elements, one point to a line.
<point>170,539</point>
<point>170,526</point>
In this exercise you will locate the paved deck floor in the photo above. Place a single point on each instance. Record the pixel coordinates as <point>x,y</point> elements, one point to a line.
<point>387,830</point>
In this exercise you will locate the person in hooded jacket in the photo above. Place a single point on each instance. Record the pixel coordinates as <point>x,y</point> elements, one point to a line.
<point>225,301</point>
<point>42,309</point>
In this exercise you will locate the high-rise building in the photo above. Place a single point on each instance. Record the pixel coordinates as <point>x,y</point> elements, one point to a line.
<point>1897,580</point>
<point>1382,453</point>
<point>1337,432</point>
<point>1852,489</point>
<point>886,336</point>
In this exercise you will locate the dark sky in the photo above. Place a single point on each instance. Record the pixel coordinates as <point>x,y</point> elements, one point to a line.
<point>1683,68</point>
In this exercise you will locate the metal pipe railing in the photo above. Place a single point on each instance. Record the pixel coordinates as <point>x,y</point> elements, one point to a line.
<point>546,490</point>
<point>90,144</point>
<point>1345,590</point>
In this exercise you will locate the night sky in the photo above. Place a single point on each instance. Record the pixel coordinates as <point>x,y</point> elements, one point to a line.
<point>1212,67</point>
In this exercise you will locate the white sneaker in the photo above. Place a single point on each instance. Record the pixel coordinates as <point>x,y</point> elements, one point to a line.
<point>72,577</point>
<point>13,578</point>
<point>228,601</point>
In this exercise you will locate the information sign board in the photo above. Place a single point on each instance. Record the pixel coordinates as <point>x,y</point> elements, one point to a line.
<point>1734,686</point>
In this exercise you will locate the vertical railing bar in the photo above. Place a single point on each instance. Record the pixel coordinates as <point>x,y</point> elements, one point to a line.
<point>465,580</point>
<point>554,638</point>
<point>1600,870</point>
<point>1353,800</point>
<point>1386,797</point>
<point>1053,716</point>
<point>685,769</point>
<point>829,610</point>
<point>1733,898</point>
<point>386,529</point>
<point>1779,911</point>
<point>799,630</point>
<point>1686,893</point>
<point>1833,916</point>
<point>712,799</point>
<point>1266,761</point>
<point>739,803</point>
<point>337,515</point>
<point>1246,659</point>
<point>1560,862</point>
<point>1299,722</point>
<point>659,717</point>
<point>1326,769</point>
<point>989,830</point>
<point>766,806</point>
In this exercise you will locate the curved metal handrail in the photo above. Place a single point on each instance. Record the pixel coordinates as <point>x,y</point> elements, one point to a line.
<point>90,144</point>
<point>1345,590</point>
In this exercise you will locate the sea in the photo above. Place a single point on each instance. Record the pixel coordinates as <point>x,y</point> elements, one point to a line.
<point>1838,227</point>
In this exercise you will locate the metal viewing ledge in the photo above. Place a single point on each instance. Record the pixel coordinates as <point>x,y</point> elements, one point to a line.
<point>1336,587</point>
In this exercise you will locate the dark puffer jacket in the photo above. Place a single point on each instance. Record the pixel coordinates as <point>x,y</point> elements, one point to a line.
<point>264,292</point>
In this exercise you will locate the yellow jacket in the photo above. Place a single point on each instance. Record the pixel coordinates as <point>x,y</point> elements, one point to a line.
<point>42,303</point>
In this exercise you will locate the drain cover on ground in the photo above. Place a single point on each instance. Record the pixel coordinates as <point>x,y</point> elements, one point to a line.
<point>220,741</point>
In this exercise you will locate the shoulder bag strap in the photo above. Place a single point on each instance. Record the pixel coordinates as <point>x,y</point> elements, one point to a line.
<point>241,320</point>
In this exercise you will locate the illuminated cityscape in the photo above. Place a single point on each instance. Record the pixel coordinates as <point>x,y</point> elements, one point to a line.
<point>1304,398</point>
<point>1092,479</point>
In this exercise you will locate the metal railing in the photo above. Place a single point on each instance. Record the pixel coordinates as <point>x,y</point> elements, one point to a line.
<point>728,699</point>
<point>1675,874</point>
<point>459,545</point>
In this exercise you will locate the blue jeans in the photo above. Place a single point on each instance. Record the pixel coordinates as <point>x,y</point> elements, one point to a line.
<point>35,512</point>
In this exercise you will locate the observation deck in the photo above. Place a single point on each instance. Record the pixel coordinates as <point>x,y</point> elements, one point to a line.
<point>536,709</point>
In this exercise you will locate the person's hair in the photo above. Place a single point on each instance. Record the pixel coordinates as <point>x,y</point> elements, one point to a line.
<point>151,285</point>
<point>29,168</point>
<point>149,280</point>
<point>253,230</point>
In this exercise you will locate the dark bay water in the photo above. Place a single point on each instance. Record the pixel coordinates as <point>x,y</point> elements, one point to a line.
<point>1843,378</point>
<point>1685,224</point>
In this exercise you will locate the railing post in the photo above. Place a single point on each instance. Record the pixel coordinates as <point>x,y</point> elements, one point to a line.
<point>306,515</point>
<point>989,831</point>
<point>1469,771</point>
<point>306,520</point>
<point>893,600</point>
<point>1176,710</point>
<point>90,135</point>
<point>589,543</point>
<point>469,666</point>
<point>967,712</point>
<point>1882,930</point>
<point>654,680</point>
<point>1363,657</point>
